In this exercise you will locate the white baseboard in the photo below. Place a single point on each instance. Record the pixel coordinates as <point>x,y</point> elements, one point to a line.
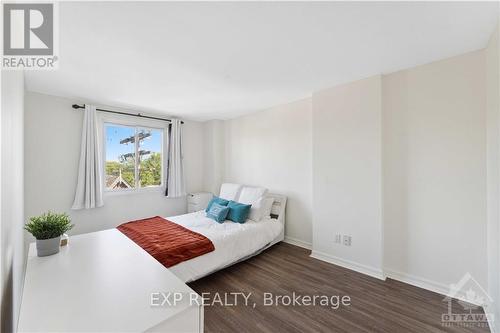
<point>413,280</point>
<point>423,283</point>
<point>297,242</point>
<point>361,268</point>
<point>440,289</point>
<point>418,281</point>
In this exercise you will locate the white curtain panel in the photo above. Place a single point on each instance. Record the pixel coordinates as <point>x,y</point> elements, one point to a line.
<point>175,172</point>
<point>89,189</point>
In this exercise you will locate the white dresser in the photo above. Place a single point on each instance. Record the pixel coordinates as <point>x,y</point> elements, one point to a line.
<point>198,201</point>
<point>104,282</point>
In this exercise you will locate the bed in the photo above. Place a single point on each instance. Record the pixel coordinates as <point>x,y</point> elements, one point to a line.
<point>193,245</point>
<point>233,242</point>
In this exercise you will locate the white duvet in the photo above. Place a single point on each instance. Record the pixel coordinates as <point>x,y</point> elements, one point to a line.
<point>232,242</point>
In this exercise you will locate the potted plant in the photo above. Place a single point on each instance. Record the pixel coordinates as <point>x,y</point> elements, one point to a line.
<point>47,229</point>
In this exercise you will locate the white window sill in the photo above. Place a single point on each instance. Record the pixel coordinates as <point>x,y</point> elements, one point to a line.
<point>156,189</point>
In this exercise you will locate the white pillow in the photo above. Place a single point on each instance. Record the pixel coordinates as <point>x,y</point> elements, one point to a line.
<point>230,191</point>
<point>267,207</point>
<point>261,209</point>
<point>253,196</point>
<point>256,210</point>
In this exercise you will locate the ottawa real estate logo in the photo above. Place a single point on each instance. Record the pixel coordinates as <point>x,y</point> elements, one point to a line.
<point>29,36</point>
<point>468,305</point>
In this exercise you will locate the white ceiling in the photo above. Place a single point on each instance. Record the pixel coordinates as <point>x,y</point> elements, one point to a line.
<point>220,60</point>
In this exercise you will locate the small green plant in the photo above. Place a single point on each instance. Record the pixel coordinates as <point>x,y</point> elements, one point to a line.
<point>48,225</point>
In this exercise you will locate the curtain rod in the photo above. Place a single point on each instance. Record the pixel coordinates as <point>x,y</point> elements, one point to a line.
<point>76,106</point>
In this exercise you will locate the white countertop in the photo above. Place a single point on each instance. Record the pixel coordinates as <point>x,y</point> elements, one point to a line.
<point>100,282</point>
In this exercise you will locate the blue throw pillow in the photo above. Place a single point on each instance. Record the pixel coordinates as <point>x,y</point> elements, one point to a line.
<point>238,212</point>
<point>220,201</point>
<point>218,212</point>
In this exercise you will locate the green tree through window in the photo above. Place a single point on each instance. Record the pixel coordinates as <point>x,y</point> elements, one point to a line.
<point>150,170</point>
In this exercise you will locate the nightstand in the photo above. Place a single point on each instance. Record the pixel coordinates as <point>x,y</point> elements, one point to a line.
<point>198,201</point>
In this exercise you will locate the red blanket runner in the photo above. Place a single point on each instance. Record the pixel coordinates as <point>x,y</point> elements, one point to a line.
<point>166,241</point>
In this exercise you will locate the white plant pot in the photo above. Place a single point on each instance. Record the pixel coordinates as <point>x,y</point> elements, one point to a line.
<point>47,247</point>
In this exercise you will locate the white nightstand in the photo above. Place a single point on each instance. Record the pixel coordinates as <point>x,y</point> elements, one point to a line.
<point>198,201</point>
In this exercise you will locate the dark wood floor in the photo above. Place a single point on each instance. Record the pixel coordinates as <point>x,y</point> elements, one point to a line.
<point>376,306</point>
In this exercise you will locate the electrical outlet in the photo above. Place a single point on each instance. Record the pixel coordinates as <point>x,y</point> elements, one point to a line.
<point>338,238</point>
<point>347,240</point>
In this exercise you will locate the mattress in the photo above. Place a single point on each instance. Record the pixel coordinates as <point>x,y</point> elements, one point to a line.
<point>232,241</point>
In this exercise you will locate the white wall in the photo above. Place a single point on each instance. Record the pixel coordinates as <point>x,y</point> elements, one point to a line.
<point>13,252</point>
<point>493,169</point>
<point>434,132</point>
<point>213,155</point>
<point>398,162</point>
<point>272,148</point>
<point>347,175</point>
<point>52,141</point>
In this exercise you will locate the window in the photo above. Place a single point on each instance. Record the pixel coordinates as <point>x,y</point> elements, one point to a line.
<point>133,157</point>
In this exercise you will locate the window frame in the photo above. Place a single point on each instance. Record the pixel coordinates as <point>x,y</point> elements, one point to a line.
<point>135,123</point>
